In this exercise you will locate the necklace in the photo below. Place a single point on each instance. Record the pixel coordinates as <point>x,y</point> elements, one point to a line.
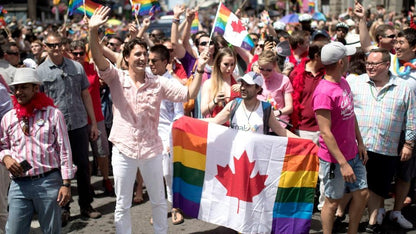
<point>405,69</point>
<point>376,97</point>
<point>248,116</point>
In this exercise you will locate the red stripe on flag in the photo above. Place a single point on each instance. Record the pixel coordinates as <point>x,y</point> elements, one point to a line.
<point>301,155</point>
<point>192,126</point>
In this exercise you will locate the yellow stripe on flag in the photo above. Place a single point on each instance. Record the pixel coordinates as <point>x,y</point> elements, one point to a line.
<point>290,179</point>
<point>189,158</point>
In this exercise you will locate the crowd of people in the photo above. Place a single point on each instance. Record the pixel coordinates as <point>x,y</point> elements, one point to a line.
<point>347,83</point>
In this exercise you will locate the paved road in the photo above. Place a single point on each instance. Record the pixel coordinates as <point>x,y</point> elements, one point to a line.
<point>141,215</point>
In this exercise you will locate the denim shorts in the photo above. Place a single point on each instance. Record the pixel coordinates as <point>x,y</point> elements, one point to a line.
<point>336,187</point>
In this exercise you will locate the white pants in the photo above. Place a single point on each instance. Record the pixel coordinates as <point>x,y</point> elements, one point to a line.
<point>168,174</point>
<point>4,188</point>
<point>124,170</point>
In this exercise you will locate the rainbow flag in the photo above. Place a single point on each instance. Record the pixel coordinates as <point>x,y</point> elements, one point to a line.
<point>109,31</point>
<point>311,7</point>
<point>73,5</point>
<point>252,183</point>
<point>2,12</point>
<point>147,7</point>
<point>195,24</point>
<point>232,29</point>
<point>88,8</point>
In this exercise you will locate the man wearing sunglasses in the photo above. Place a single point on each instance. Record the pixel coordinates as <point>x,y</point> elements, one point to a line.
<point>12,54</point>
<point>6,69</point>
<point>115,44</point>
<point>100,148</point>
<point>36,151</point>
<point>65,81</point>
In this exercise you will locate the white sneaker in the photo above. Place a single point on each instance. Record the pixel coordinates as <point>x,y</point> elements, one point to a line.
<point>398,218</point>
<point>380,215</point>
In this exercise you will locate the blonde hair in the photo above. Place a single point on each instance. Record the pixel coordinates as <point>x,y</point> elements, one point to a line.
<point>217,80</point>
<point>267,56</point>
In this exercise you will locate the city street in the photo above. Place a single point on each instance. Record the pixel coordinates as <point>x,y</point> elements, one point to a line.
<point>141,216</point>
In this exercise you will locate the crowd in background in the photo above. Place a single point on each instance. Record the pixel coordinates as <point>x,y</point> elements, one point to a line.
<point>287,55</point>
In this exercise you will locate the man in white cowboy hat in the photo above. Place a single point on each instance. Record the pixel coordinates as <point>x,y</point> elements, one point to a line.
<point>35,150</point>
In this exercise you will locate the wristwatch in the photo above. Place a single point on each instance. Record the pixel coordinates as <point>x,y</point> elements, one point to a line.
<point>66,185</point>
<point>410,143</point>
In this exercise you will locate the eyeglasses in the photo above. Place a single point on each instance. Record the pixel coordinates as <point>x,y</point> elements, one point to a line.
<point>170,50</point>
<point>204,43</point>
<point>369,64</point>
<point>153,60</point>
<point>392,36</point>
<point>13,53</point>
<point>264,69</point>
<point>259,45</point>
<point>78,53</point>
<point>113,44</point>
<point>155,35</point>
<point>53,45</point>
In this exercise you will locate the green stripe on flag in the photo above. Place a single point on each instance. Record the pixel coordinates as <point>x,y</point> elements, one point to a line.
<point>295,194</point>
<point>189,175</point>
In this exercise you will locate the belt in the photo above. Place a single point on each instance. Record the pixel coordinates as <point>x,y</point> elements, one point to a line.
<point>35,177</point>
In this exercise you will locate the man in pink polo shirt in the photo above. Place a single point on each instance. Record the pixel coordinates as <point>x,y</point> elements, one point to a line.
<point>136,100</point>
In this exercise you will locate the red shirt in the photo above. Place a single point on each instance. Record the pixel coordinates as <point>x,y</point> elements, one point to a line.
<point>307,119</point>
<point>179,70</point>
<point>94,90</point>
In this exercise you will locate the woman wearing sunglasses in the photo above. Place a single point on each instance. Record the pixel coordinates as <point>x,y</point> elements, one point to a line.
<point>277,88</point>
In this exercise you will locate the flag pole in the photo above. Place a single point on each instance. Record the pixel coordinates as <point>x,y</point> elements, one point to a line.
<point>215,22</point>
<point>85,13</point>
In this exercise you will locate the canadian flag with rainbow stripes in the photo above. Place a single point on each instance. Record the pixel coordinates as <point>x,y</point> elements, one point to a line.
<point>249,182</point>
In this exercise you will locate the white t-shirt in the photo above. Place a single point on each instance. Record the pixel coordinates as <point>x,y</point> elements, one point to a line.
<point>245,120</point>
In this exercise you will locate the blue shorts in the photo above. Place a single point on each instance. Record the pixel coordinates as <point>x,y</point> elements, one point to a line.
<point>336,187</point>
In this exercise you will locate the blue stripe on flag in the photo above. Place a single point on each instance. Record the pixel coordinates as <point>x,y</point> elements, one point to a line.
<point>188,191</point>
<point>298,210</point>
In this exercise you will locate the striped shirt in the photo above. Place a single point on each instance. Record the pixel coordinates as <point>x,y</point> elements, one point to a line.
<point>45,148</point>
<point>382,114</point>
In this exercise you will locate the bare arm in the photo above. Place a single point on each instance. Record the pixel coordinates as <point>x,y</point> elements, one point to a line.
<point>288,109</point>
<point>99,18</point>
<point>221,117</point>
<point>86,99</point>
<point>278,129</point>
<point>196,82</point>
<point>179,48</point>
<point>365,38</point>
<point>111,55</point>
<point>190,14</point>
<point>323,117</point>
<point>245,54</point>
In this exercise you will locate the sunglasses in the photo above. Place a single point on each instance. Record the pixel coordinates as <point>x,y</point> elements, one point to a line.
<point>392,36</point>
<point>154,60</point>
<point>113,44</point>
<point>154,35</point>
<point>204,43</point>
<point>170,50</point>
<point>264,69</point>
<point>259,45</point>
<point>13,53</point>
<point>78,53</point>
<point>52,45</point>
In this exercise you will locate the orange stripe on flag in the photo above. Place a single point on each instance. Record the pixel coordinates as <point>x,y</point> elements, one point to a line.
<point>301,156</point>
<point>189,141</point>
<point>197,128</point>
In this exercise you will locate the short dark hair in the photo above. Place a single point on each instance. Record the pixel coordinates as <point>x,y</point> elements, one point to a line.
<point>77,44</point>
<point>297,37</point>
<point>117,38</point>
<point>162,51</point>
<point>128,47</point>
<point>381,31</point>
<point>410,35</point>
<point>315,48</point>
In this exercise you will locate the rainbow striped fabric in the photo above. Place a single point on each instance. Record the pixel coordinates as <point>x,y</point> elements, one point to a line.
<point>195,24</point>
<point>109,31</point>
<point>232,29</point>
<point>89,7</point>
<point>73,5</point>
<point>206,155</point>
<point>147,7</point>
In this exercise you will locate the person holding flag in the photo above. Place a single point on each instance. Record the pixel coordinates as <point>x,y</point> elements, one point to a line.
<point>137,95</point>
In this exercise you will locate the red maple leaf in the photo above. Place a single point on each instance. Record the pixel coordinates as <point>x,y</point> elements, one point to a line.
<point>237,26</point>
<point>240,185</point>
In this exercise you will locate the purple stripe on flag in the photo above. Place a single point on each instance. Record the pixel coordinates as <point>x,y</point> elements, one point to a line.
<point>219,30</point>
<point>291,225</point>
<point>190,208</point>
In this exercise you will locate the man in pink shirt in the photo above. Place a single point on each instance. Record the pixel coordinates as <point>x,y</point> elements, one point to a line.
<point>35,150</point>
<point>341,160</point>
<point>136,100</point>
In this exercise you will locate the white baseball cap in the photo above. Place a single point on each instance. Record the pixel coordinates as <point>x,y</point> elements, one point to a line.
<point>334,51</point>
<point>252,78</point>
